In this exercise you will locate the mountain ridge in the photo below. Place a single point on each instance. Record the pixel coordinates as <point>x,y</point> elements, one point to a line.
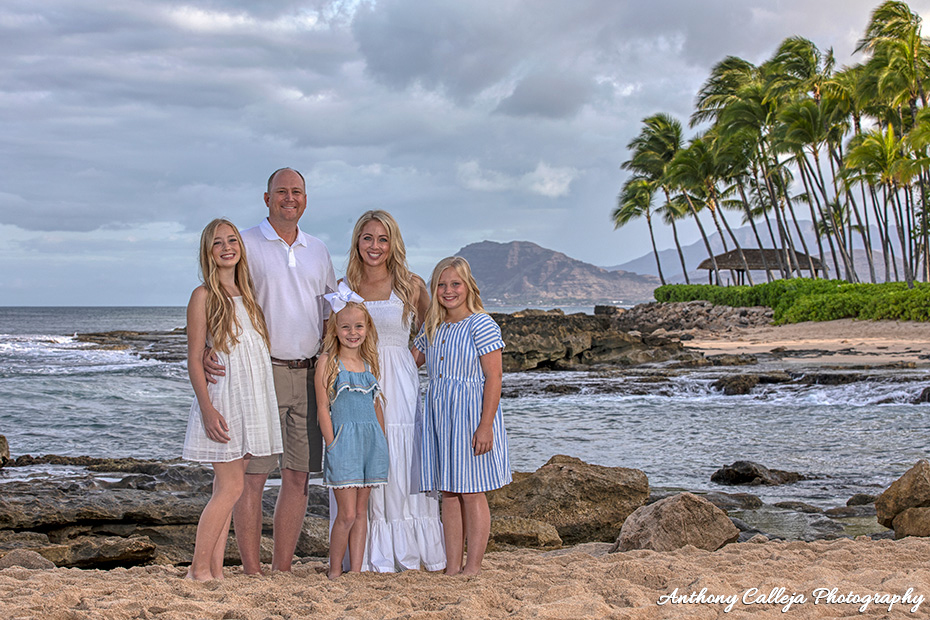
<point>523,272</point>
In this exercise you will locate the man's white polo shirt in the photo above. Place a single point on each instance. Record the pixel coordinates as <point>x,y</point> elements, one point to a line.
<point>290,282</point>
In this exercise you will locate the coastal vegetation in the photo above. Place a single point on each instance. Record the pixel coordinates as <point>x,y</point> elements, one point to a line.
<point>797,137</point>
<point>805,299</point>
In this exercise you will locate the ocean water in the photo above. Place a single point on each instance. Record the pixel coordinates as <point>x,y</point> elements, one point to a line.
<point>59,396</point>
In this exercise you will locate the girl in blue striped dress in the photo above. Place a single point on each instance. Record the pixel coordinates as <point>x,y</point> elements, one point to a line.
<point>464,451</point>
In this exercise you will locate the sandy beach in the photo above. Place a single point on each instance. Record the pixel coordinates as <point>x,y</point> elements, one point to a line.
<point>822,579</point>
<point>842,342</point>
<point>774,579</point>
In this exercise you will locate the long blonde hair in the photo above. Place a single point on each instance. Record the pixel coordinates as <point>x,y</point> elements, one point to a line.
<point>437,313</point>
<point>403,278</point>
<point>222,324</point>
<point>368,350</point>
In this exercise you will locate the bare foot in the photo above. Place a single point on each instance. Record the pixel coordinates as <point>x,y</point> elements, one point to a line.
<point>334,574</point>
<point>450,572</point>
<point>470,572</point>
<point>198,576</point>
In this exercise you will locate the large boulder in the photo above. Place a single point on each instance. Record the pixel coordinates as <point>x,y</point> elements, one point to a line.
<point>585,503</point>
<point>747,472</point>
<point>314,538</point>
<point>4,451</point>
<point>912,490</point>
<point>692,315</point>
<point>734,385</point>
<point>912,522</point>
<point>24,558</point>
<point>733,501</point>
<point>44,507</point>
<point>520,532</point>
<point>557,341</point>
<point>675,522</point>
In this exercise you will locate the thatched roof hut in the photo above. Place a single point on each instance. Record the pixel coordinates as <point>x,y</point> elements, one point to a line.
<point>762,260</point>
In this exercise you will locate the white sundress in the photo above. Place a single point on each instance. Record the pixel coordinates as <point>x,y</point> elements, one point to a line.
<point>245,397</point>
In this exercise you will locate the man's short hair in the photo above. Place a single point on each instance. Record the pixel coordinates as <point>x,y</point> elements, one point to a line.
<point>271,178</point>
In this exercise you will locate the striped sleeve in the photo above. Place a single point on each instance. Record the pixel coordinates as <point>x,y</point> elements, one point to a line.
<point>420,341</point>
<point>487,334</point>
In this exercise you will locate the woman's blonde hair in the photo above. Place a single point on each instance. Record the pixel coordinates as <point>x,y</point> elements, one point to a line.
<point>403,279</point>
<point>437,313</point>
<point>368,351</point>
<point>222,324</point>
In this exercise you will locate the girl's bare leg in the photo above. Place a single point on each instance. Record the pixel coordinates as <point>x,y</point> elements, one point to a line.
<point>452,531</point>
<point>359,532</point>
<point>219,552</point>
<point>213,528</point>
<point>477,517</point>
<point>346,502</point>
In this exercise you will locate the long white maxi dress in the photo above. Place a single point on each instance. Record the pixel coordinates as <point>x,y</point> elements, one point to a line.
<point>404,530</point>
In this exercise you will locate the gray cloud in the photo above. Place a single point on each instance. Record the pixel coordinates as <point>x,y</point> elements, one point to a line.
<point>551,96</point>
<point>132,124</point>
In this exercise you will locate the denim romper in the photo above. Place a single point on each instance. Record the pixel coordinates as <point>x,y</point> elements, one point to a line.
<point>358,455</point>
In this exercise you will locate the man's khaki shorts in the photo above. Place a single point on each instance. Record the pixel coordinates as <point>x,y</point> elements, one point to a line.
<point>303,442</point>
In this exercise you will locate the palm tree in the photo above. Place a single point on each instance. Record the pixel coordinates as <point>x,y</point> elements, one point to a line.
<point>672,211</point>
<point>876,158</point>
<point>634,202</point>
<point>797,67</point>
<point>699,169</point>
<point>652,151</point>
<point>803,131</point>
<point>893,37</point>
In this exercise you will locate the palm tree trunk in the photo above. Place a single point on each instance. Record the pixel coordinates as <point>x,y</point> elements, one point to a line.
<point>814,202</point>
<point>681,254</point>
<point>739,250</point>
<point>848,243</point>
<point>882,226</point>
<point>840,238</point>
<point>755,231</point>
<point>791,259</point>
<point>768,223</point>
<point>710,251</point>
<point>655,250</point>
<point>896,211</point>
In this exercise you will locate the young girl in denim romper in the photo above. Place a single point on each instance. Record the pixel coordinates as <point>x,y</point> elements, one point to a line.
<point>349,413</point>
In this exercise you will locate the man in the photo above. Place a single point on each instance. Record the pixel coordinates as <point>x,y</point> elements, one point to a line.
<point>291,271</point>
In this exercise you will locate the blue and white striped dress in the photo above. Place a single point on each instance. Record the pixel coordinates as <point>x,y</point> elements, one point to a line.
<point>454,399</point>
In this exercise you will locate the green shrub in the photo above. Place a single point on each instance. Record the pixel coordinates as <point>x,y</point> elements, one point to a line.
<point>803,299</point>
<point>826,307</point>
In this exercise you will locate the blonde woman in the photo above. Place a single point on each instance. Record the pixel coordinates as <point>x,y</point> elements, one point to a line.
<point>405,531</point>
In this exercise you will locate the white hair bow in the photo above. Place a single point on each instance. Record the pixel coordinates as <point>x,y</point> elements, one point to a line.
<point>341,297</point>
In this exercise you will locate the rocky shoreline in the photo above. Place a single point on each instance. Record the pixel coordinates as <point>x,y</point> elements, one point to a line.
<point>103,513</point>
<point>652,334</point>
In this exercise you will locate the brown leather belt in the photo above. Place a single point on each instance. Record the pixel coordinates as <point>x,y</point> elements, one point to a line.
<point>304,363</point>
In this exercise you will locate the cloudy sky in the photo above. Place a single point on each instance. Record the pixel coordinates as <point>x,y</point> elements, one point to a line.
<point>127,126</point>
